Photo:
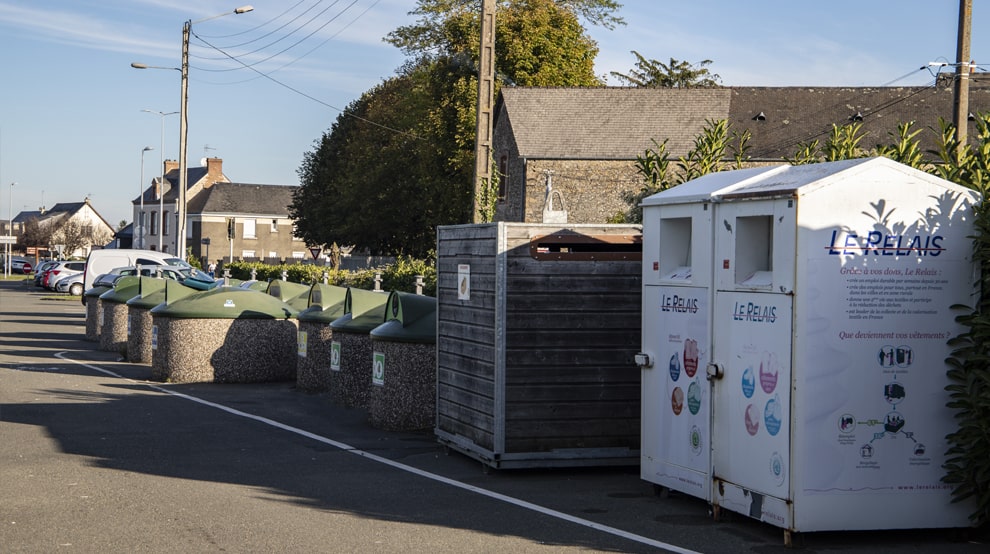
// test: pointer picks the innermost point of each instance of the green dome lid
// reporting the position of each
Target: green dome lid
(409, 318)
(293, 294)
(326, 303)
(123, 290)
(363, 311)
(154, 291)
(226, 303)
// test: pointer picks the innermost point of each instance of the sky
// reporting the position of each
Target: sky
(265, 85)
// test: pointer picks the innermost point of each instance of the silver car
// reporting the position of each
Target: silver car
(72, 284)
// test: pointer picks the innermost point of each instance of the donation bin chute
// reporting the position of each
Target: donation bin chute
(800, 378)
(326, 304)
(350, 358)
(293, 294)
(403, 376)
(224, 335)
(114, 325)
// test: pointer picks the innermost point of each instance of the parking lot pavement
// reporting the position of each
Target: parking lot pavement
(95, 456)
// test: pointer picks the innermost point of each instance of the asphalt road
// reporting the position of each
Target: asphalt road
(94, 457)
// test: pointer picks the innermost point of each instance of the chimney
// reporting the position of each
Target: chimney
(214, 172)
(171, 165)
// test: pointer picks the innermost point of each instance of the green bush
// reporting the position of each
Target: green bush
(400, 276)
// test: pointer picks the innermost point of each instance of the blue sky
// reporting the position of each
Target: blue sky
(71, 124)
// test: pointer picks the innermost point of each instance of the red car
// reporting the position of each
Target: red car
(60, 269)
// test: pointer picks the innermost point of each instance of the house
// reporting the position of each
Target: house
(257, 214)
(66, 230)
(569, 154)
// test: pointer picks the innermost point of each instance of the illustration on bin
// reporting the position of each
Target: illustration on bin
(404, 364)
(94, 310)
(350, 349)
(326, 304)
(113, 330)
(795, 327)
(224, 335)
(153, 291)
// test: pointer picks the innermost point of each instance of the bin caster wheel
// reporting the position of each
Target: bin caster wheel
(661, 491)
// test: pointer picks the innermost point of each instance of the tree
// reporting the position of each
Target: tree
(399, 161)
(676, 74)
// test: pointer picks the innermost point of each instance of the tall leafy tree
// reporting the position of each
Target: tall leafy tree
(676, 74)
(400, 160)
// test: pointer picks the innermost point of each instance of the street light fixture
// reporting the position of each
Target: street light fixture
(161, 182)
(8, 266)
(139, 224)
(183, 123)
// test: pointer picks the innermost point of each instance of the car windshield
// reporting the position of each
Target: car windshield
(177, 262)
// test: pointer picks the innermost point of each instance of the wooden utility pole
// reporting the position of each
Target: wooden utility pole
(486, 99)
(961, 97)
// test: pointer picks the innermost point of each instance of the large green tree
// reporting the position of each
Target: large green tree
(399, 161)
(676, 74)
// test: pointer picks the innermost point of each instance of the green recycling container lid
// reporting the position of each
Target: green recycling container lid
(154, 291)
(409, 318)
(293, 294)
(226, 303)
(326, 304)
(363, 311)
(123, 290)
(95, 292)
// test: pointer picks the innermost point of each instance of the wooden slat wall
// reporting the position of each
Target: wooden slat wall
(466, 334)
(571, 330)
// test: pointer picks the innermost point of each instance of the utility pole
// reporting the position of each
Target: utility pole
(961, 97)
(486, 99)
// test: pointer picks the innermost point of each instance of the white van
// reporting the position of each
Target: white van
(102, 261)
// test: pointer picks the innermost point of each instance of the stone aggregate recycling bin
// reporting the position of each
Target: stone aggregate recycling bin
(350, 349)
(404, 364)
(293, 294)
(326, 304)
(224, 335)
(537, 331)
(153, 291)
(113, 329)
(795, 332)
(94, 311)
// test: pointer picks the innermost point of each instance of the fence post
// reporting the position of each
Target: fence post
(326, 278)
(419, 284)
(378, 281)
(254, 274)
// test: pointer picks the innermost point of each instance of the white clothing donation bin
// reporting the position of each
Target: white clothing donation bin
(794, 337)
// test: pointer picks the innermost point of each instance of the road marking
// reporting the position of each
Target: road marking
(391, 463)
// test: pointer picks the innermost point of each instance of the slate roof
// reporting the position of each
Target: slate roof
(193, 176)
(607, 123)
(241, 198)
(618, 123)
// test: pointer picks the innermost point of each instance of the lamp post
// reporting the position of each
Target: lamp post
(180, 239)
(161, 182)
(8, 266)
(139, 226)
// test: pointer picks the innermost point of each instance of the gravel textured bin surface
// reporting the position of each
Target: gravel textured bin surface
(113, 332)
(224, 350)
(94, 318)
(313, 369)
(139, 339)
(351, 385)
(406, 401)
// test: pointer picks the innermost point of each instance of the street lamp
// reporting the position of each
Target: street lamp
(161, 183)
(183, 123)
(139, 224)
(9, 265)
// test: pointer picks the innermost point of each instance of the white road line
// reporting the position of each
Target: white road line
(416, 471)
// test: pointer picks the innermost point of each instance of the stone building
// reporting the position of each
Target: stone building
(569, 154)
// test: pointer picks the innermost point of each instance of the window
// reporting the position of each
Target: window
(272, 254)
(165, 223)
(249, 228)
(247, 254)
(297, 255)
(154, 223)
(274, 225)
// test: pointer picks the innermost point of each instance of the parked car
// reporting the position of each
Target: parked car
(59, 270)
(72, 284)
(102, 261)
(18, 264)
(39, 272)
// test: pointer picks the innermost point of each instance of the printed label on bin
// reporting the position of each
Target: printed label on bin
(301, 338)
(335, 356)
(228, 303)
(154, 337)
(378, 369)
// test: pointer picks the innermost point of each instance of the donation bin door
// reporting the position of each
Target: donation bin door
(751, 369)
